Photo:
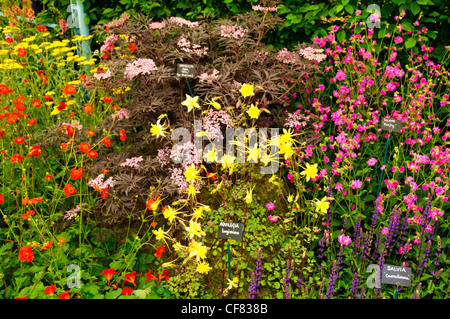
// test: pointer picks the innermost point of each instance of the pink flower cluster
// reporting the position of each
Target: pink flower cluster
(108, 44)
(188, 47)
(132, 162)
(98, 181)
(118, 22)
(139, 66)
(183, 22)
(264, 9)
(232, 32)
(205, 77)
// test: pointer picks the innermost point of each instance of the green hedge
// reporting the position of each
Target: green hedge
(304, 19)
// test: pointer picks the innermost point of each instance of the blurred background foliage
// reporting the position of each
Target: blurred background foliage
(304, 19)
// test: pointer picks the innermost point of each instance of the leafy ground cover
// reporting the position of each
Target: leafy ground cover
(101, 199)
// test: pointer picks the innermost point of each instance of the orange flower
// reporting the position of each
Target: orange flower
(41, 28)
(84, 147)
(123, 136)
(76, 173)
(106, 141)
(69, 190)
(91, 133)
(47, 245)
(88, 108)
(127, 291)
(130, 278)
(61, 240)
(64, 295)
(153, 224)
(69, 89)
(105, 171)
(19, 140)
(50, 290)
(149, 276)
(26, 254)
(32, 122)
(36, 103)
(108, 273)
(152, 203)
(63, 146)
(48, 176)
(28, 214)
(132, 46)
(93, 154)
(82, 78)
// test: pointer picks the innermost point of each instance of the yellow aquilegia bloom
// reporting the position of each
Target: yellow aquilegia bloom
(198, 250)
(310, 171)
(191, 173)
(253, 112)
(322, 205)
(191, 102)
(203, 268)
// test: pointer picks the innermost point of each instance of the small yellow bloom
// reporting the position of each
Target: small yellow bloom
(249, 196)
(310, 171)
(322, 205)
(203, 268)
(191, 173)
(191, 102)
(246, 90)
(198, 250)
(253, 112)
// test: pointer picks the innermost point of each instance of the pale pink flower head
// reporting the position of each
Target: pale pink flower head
(372, 161)
(344, 240)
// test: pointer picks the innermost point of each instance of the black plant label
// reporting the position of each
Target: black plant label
(229, 230)
(186, 70)
(388, 124)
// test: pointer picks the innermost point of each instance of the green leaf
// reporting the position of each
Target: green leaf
(140, 294)
(340, 36)
(345, 2)
(113, 294)
(415, 8)
(410, 43)
(338, 8)
(349, 8)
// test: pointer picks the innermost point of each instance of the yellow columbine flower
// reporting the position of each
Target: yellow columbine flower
(191, 191)
(194, 229)
(322, 205)
(203, 268)
(190, 173)
(310, 171)
(253, 154)
(249, 196)
(233, 283)
(160, 234)
(198, 250)
(246, 90)
(211, 156)
(169, 213)
(253, 112)
(191, 102)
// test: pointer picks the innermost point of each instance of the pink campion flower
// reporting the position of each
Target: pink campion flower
(338, 187)
(344, 240)
(270, 206)
(335, 28)
(398, 39)
(272, 218)
(385, 230)
(356, 184)
(372, 161)
(340, 75)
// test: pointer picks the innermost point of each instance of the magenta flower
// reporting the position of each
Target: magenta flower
(344, 240)
(270, 206)
(340, 75)
(372, 161)
(356, 184)
(273, 218)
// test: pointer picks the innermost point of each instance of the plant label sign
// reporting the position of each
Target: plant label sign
(229, 230)
(391, 125)
(396, 275)
(186, 70)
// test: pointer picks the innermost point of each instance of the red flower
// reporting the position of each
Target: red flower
(69, 190)
(70, 130)
(41, 28)
(26, 254)
(69, 89)
(76, 173)
(19, 140)
(1, 198)
(107, 99)
(93, 154)
(35, 151)
(84, 147)
(127, 291)
(47, 245)
(108, 273)
(16, 158)
(159, 251)
(50, 290)
(36, 103)
(149, 276)
(28, 214)
(22, 52)
(106, 141)
(64, 295)
(62, 106)
(132, 46)
(88, 108)
(163, 275)
(48, 176)
(32, 122)
(9, 40)
(130, 278)
(123, 136)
